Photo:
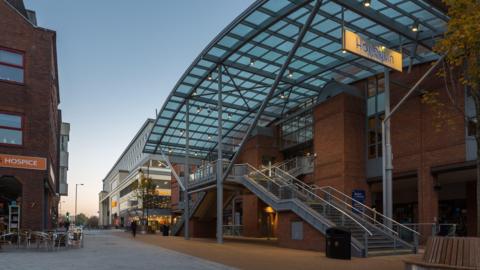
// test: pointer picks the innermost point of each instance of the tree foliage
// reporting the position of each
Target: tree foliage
(92, 222)
(145, 193)
(461, 43)
(461, 46)
(81, 219)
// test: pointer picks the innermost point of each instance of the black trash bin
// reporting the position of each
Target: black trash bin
(338, 242)
(165, 230)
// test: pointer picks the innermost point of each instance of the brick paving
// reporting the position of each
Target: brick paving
(103, 250)
(262, 255)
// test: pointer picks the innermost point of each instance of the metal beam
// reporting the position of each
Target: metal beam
(212, 102)
(278, 78)
(219, 162)
(186, 174)
(387, 172)
(175, 175)
(382, 20)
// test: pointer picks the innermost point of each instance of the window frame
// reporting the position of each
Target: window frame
(21, 129)
(22, 53)
(377, 115)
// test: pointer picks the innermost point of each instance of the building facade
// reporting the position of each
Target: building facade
(339, 133)
(123, 195)
(30, 121)
(284, 114)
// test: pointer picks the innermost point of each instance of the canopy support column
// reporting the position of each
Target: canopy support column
(386, 145)
(386, 153)
(175, 175)
(186, 175)
(219, 162)
(278, 78)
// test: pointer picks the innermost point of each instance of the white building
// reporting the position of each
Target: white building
(64, 138)
(119, 202)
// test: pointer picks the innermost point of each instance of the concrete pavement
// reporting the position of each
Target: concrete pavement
(103, 250)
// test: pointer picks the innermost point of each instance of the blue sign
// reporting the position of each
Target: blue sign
(358, 198)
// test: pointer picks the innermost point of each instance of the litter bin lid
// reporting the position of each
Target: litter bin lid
(337, 231)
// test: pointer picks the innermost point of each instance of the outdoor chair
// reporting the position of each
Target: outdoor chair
(25, 237)
(61, 240)
(43, 239)
(5, 239)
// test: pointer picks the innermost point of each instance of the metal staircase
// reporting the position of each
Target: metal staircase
(383, 240)
(321, 207)
(313, 209)
(193, 205)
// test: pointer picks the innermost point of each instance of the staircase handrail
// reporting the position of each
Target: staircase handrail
(374, 222)
(366, 207)
(308, 191)
(260, 172)
(203, 172)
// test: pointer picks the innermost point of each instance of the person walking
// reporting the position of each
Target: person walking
(133, 226)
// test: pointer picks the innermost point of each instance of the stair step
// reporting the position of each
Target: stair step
(389, 252)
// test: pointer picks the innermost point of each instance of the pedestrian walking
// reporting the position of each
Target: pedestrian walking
(67, 225)
(133, 226)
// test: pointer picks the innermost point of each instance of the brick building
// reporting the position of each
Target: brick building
(290, 98)
(33, 141)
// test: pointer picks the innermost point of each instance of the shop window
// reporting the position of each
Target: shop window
(11, 65)
(11, 129)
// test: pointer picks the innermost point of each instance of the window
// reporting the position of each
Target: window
(11, 66)
(11, 129)
(472, 127)
(375, 115)
(297, 130)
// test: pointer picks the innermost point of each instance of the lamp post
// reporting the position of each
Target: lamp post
(60, 207)
(76, 188)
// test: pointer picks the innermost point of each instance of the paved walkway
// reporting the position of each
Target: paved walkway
(247, 255)
(104, 250)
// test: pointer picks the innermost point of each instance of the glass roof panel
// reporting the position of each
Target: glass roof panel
(258, 43)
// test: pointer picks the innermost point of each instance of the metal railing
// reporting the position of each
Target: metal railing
(443, 229)
(363, 210)
(233, 230)
(193, 204)
(360, 212)
(284, 189)
(295, 166)
(298, 165)
(206, 172)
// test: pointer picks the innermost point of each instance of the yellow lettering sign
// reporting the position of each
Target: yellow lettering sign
(378, 53)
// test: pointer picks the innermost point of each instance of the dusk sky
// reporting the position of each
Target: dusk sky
(118, 61)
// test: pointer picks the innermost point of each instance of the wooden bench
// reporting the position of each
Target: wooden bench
(449, 253)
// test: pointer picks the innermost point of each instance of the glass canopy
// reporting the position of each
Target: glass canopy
(252, 49)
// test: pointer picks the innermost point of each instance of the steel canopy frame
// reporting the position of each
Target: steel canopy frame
(235, 73)
(285, 65)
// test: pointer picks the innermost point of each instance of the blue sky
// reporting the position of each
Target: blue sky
(118, 61)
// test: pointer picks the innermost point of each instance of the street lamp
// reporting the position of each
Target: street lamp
(76, 187)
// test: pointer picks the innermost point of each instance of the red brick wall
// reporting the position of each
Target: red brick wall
(175, 187)
(252, 153)
(259, 146)
(312, 238)
(201, 228)
(339, 143)
(37, 100)
(417, 145)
